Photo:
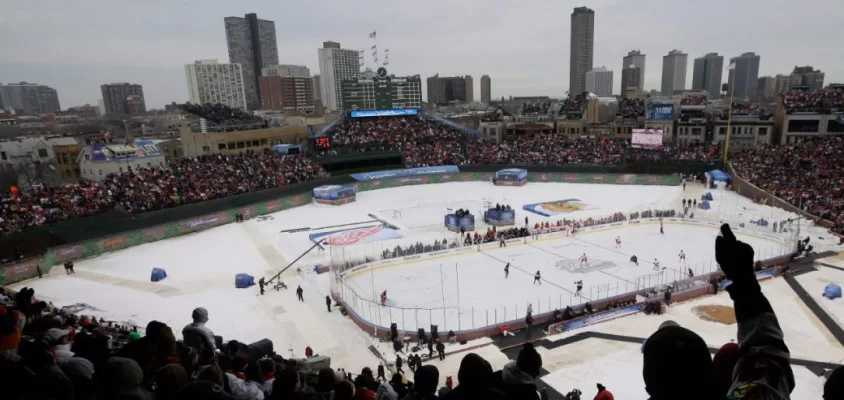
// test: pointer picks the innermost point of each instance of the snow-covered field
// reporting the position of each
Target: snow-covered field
(201, 268)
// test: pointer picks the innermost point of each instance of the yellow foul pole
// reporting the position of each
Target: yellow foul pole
(729, 118)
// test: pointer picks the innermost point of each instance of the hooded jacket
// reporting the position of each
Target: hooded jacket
(198, 335)
(121, 380)
(386, 392)
(515, 383)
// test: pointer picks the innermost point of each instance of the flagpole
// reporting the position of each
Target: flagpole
(730, 116)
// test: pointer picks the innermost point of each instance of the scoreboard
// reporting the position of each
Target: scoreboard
(381, 92)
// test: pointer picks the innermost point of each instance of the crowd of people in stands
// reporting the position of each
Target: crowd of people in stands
(547, 149)
(574, 105)
(806, 175)
(679, 151)
(49, 353)
(824, 101)
(223, 118)
(45, 205)
(695, 100)
(631, 108)
(537, 108)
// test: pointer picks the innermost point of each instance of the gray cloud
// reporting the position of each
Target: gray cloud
(523, 46)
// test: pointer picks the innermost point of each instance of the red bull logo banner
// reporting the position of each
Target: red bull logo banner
(357, 235)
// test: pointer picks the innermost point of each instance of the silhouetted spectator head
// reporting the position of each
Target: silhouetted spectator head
(677, 364)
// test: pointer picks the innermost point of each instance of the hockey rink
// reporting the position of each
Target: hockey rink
(466, 290)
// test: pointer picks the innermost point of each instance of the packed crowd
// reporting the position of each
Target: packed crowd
(224, 118)
(494, 116)
(535, 108)
(824, 101)
(47, 353)
(631, 108)
(807, 175)
(45, 205)
(547, 150)
(679, 151)
(696, 100)
(574, 105)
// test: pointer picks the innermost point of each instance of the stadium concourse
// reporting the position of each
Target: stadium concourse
(77, 331)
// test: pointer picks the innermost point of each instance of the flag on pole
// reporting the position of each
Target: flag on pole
(731, 66)
(372, 35)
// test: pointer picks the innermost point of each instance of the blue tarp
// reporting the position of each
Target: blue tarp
(832, 291)
(157, 274)
(242, 281)
(718, 175)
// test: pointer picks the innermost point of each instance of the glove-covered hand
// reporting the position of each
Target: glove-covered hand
(735, 257)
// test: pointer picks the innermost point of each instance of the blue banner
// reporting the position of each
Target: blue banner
(393, 173)
(661, 111)
(385, 113)
(594, 319)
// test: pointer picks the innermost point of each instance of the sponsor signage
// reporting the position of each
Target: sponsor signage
(411, 258)
(395, 173)
(647, 138)
(114, 242)
(661, 112)
(67, 253)
(384, 113)
(203, 222)
(154, 233)
(594, 319)
(273, 205)
(19, 271)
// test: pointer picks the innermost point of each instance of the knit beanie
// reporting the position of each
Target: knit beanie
(529, 360)
(677, 363)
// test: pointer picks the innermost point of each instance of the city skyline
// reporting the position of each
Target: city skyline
(518, 58)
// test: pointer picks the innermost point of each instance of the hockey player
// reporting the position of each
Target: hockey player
(660, 227)
(529, 309)
(691, 273)
(656, 264)
(537, 277)
(682, 256)
(618, 242)
(634, 260)
(584, 260)
(507, 271)
(579, 287)
(384, 298)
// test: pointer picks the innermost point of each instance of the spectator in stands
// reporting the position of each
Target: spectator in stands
(425, 379)
(168, 380)
(474, 380)
(199, 336)
(222, 118)
(834, 386)
(121, 379)
(518, 378)
(822, 102)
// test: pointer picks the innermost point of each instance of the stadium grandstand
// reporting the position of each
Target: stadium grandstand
(805, 115)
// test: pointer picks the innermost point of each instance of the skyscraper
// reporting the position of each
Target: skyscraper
(744, 76)
(633, 60)
(252, 44)
(470, 89)
(443, 90)
(115, 96)
(581, 48)
(674, 66)
(599, 82)
(32, 98)
(707, 74)
(766, 88)
(808, 76)
(335, 65)
(486, 84)
(287, 71)
(210, 82)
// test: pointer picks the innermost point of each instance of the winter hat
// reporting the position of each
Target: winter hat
(474, 371)
(426, 379)
(78, 368)
(834, 387)
(133, 336)
(200, 314)
(211, 373)
(529, 360)
(677, 362)
(723, 365)
(168, 380)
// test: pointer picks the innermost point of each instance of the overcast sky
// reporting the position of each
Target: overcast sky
(75, 46)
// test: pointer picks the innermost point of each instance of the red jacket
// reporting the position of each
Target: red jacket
(604, 395)
(364, 394)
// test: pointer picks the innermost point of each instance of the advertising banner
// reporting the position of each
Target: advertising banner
(345, 237)
(395, 173)
(558, 207)
(67, 253)
(661, 112)
(593, 319)
(647, 138)
(384, 113)
(21, 270)
(203, 222)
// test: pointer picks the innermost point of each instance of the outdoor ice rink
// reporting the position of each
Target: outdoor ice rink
(457, 292)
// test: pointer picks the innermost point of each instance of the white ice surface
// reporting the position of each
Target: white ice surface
(201, 269)
(815, 283)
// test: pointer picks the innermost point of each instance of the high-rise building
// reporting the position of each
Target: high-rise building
(252, 44)
(635, 60)
(599, 82)
(115, 97)
(210, 82)
(382, 92)
(581, 48)
(287, 71)
(707, 74)
(807, 76)
(317, 93)
(486, 94)
(630, 78)
(744, 76)
(286, 93)
(335, 65)
(444, 90)
(32, 98)
(766, 88)
(470, 89)
(674, 66)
